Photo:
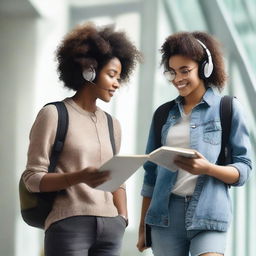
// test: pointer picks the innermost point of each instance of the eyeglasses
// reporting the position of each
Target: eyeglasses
(170, 75)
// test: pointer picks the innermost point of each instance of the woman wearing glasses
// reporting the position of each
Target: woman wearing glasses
(189, 209)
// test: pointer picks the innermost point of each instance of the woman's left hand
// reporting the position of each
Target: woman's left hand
(196, 166)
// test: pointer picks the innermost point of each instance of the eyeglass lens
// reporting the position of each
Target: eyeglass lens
(170, 75)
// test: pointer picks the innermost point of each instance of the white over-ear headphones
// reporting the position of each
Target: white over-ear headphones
(206, 67)
(89, 74)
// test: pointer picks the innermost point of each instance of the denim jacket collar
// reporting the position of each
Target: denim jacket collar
(207, 98)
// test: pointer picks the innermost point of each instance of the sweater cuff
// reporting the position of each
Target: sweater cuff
(32, 180)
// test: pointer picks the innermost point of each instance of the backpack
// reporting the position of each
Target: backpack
(161, 114)
(35, 207)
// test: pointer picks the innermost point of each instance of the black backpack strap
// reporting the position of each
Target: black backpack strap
(111, 132)
(62, 128)
(159, 119)
(226, 120)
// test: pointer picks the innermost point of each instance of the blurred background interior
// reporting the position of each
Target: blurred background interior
(30, 30)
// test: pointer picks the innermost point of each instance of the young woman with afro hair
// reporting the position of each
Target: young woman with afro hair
(94, 62)
(188, 209)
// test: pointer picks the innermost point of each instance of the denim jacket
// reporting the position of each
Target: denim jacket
(210, 205)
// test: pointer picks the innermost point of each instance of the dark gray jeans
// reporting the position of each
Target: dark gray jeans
(85, 236)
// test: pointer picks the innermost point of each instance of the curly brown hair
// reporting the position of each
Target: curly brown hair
(185, 44)
(88, 45)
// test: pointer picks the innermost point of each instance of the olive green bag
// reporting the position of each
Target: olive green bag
(35, 207)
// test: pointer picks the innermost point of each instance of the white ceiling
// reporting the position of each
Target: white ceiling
(26, 7)
(16, 7)
(99, 2)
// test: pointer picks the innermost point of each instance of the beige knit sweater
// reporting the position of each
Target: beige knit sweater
(87, 144)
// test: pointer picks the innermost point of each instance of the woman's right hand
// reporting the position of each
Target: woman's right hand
(58, 181)
(141, 240)
(93, 177)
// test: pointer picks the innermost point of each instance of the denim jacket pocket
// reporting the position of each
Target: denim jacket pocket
(212, 132)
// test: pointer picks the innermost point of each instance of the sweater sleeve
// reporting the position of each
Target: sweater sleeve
(41, 139)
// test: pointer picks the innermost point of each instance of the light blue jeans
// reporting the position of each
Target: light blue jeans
(175, 240)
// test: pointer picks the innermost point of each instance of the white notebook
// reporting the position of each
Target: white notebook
(123, 166)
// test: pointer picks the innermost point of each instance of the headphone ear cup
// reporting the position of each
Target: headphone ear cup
(205, 70)
(201, 69)
(89, 74)
(208, 68)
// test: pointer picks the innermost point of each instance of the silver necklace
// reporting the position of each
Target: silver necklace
(93, 117)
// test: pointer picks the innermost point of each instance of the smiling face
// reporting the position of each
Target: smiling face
(108, 80)
(186, 78)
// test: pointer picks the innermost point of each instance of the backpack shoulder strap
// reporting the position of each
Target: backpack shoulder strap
(111, 132)
(226, 119)
(159, 119)
(62, 128)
